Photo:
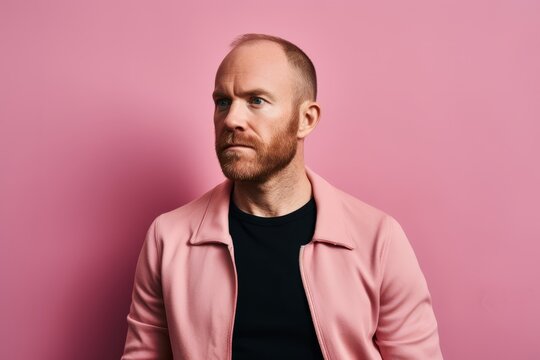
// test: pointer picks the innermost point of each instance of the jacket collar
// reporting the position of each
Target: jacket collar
(330, 226)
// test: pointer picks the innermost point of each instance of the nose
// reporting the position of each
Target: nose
(235, 117)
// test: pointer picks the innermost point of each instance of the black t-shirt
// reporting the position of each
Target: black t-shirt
(272, 319)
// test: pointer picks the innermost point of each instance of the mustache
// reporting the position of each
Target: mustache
(230, 139)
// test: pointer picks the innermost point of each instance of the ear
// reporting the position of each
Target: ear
(310, 113)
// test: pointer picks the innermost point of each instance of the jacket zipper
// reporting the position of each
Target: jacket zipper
(235, 302)
(311, 308)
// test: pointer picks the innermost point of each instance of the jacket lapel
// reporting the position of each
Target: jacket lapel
(330, 226)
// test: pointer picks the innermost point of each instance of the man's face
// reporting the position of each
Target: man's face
(254, 110)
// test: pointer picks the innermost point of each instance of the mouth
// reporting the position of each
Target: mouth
(234, 146)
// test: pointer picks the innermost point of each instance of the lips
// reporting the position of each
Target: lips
(231, 145)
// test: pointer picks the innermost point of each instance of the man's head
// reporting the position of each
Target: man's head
(301, 64)
(265, 91)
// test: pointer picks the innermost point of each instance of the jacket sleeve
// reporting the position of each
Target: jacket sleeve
(407, 328)
(147, 334)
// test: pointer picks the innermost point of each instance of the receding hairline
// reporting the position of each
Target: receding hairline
(296, 57)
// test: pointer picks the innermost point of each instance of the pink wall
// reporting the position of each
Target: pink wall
(430, 112)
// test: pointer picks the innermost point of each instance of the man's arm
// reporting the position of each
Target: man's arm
(407, 327)
(147, 335)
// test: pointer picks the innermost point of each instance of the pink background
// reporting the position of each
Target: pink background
(430, 112)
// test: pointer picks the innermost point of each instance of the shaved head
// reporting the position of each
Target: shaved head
(305, 79)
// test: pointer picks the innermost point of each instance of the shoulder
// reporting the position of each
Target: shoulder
(341, 214)
(361, 214)
(369, 226)
(356, 207)
(377, 236)
(184, 219)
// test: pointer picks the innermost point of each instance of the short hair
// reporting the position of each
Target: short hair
(296, 57)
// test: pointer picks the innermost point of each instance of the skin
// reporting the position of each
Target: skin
(268, 172)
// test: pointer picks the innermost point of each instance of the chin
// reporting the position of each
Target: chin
(238, 173)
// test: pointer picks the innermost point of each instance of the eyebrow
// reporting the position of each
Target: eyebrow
(258, 91)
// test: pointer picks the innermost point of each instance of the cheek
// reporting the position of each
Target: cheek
(218, 117)
(218, 126)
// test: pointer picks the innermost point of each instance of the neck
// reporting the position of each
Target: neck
(282, 194)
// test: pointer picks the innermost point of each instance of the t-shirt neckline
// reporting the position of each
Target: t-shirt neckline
(274, 220)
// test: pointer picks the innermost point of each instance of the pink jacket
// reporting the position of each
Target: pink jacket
(366, 292)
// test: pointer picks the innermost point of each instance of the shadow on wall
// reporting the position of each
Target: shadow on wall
(134, 176)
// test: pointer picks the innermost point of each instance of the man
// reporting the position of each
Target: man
(275, 262)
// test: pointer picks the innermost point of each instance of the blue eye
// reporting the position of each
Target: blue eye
(257, 100)
(220, 103)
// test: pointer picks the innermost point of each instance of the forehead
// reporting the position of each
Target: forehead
(257, 64)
